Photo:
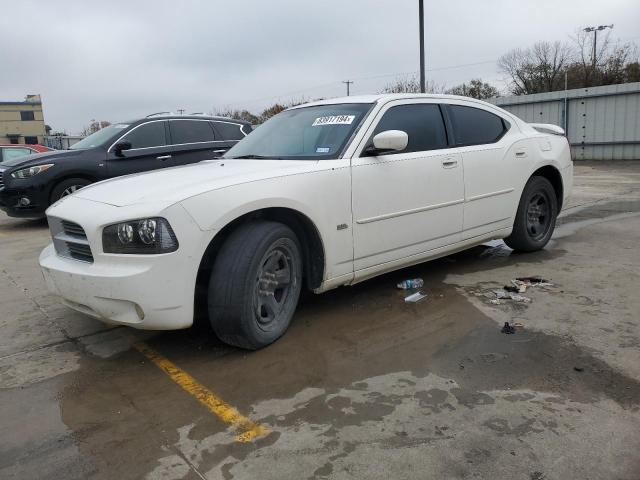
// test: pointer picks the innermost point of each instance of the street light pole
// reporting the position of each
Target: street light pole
(422, 76)
(595, 31)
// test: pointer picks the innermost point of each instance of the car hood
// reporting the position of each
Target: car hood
(40, 158)
(171, 185)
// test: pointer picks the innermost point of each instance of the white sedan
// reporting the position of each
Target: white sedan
(322, 195)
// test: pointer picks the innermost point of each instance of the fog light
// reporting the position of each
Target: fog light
(24, 202)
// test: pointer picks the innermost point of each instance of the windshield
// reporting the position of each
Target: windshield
(100, 137)
(313, 133)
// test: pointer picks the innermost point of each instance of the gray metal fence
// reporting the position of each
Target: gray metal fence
(602, 123)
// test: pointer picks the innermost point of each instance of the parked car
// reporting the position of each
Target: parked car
(14, 150)
(28, 185)
(322, 195)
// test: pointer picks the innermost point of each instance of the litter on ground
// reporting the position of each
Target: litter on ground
(409, 284)
(508, 329)
(415, 297)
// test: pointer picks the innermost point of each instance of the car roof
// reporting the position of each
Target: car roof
(33, 146)
(185, 117)
(387, 97)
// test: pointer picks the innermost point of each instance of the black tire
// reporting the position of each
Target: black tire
(536, 216)
(67, 187)
(244, 284)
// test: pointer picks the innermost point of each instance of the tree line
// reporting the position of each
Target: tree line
(546, 66)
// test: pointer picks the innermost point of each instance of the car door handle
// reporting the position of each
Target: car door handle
(163, 157)
(449, 163)
(521, 153)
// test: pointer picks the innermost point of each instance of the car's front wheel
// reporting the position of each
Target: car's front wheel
(67, 187)
(536, 216)
(255, 284)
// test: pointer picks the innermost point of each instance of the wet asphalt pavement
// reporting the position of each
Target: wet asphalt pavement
(363, 385)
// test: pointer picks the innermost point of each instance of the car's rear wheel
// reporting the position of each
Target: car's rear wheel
(67, 187)
(255, 284)
(536, 216)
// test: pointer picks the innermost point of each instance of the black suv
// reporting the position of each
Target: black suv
(28, 185)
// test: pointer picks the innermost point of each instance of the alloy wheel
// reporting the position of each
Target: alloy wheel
(274, 283)
(538, 215)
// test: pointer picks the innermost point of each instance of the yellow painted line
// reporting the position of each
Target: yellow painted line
(246, 428)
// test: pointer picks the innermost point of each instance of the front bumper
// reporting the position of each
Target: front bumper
(119, 294)
(151, 292)
(10, 202)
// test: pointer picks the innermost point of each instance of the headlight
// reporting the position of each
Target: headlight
(143, 236)
(31, 171)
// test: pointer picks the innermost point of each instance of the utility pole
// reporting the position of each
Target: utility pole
(348, 82)
(423, 88)
(595, 31)
(181, 111)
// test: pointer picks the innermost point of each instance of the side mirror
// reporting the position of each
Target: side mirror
(120, 147)
(388, 141)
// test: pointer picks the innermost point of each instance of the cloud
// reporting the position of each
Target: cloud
(118, 60)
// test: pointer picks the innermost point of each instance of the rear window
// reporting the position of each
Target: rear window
(229, 131)
(473, 126)
(190, 131)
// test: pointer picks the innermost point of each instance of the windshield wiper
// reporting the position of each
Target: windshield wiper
(254, 157)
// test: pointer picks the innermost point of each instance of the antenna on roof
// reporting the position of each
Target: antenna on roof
(158, 113)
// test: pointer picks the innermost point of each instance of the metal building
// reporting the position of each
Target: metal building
(602, 123)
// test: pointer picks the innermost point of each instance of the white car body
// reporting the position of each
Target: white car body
(371, 214)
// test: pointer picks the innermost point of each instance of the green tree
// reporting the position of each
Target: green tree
(476, 88)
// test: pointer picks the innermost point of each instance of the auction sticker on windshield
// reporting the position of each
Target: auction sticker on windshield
(334, 120)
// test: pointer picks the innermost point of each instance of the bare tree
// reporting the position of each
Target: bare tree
(244, 115)
(536, 69)
(476, 88)
(583, 42)
(94, 126)
(410, 84)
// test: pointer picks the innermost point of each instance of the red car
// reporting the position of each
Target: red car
(8, 152)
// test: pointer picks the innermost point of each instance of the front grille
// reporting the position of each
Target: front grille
(70, 240)
(71, 228)
(1, 180)
(81, 252)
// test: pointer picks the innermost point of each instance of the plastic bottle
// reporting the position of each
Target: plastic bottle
(413, 283)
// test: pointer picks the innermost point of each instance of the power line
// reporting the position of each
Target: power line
(368, 77)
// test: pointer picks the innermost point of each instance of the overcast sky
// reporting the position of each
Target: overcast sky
(117, 60)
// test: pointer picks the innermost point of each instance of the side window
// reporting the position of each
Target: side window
(229, 131)
(148, 135)
(11, 153)
(190, 131)
(422, 122)
(473, 126)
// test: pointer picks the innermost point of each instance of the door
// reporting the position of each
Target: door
(407, 203)
(148, 150)
(489, 173)
(193, 141)
(230, 133)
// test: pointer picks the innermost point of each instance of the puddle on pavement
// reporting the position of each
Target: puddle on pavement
(125, 413)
